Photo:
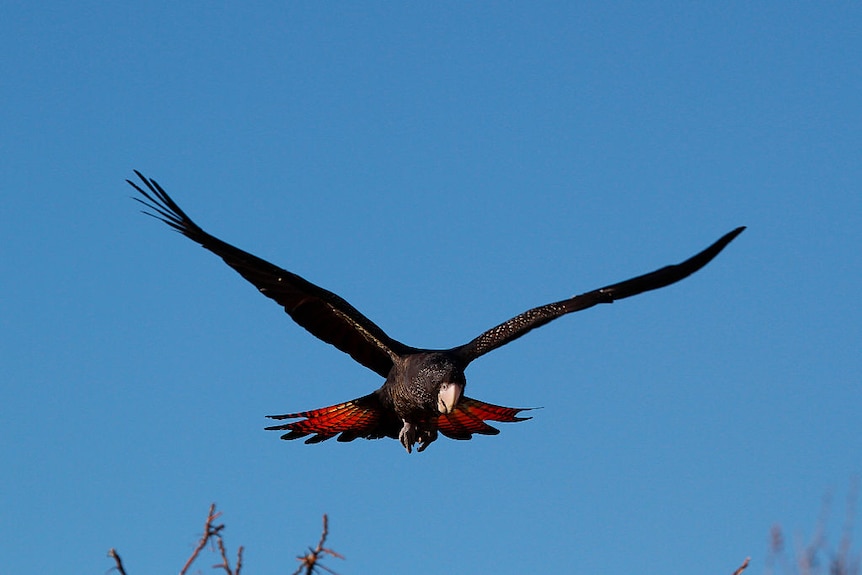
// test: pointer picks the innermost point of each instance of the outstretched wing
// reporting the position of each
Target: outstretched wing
(539, 316)
(469, 417)
(323, 313)
(363, 417)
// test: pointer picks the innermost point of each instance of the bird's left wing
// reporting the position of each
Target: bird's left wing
(321, 312)
(539, 316)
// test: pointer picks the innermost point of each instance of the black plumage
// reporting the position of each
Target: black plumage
(423, 391)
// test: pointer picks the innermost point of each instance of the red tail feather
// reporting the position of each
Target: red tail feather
(360, 417)
(470, 415)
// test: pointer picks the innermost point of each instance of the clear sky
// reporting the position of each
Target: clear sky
(442, 166)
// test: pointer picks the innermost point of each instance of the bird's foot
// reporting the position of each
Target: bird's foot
(407, 437)
(426, 438)
(411, 434)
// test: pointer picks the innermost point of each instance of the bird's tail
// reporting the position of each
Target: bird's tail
(362, 417)
(365, 417)
(470, 415)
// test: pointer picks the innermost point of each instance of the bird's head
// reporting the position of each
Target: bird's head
(437, 379)
(448, 396)
(450, 382)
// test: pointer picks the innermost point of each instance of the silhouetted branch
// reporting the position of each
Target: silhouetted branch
(225, 564)
(310, 562)
(112, 553)
(212, 535)
(743, 566)
(818, 557)
(214, 532)
(209, 531)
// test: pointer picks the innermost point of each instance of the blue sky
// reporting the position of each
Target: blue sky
(443, 167)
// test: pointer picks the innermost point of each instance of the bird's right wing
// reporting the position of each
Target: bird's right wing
(321, 312)
(539, 316)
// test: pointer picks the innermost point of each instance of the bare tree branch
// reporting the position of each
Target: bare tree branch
(311, 561)
(743, 566)
(225, 564)
(209, 531)
(213, 535)
(817, 556)
(112, 553)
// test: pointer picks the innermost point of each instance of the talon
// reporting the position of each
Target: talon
(427, 438)
(407, 436)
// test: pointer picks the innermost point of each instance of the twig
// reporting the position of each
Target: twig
(225, 564)
(209, 531)
(112, 553)
(743, 566)
(310, 561)
(844, 562)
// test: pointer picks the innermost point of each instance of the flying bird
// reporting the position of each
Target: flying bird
(423, 394)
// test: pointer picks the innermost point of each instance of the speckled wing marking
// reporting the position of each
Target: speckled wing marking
(321, 312)
(362, 417)
(539, 316)
(470, 415)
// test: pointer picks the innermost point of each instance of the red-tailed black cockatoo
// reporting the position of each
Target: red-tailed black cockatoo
(423, 394)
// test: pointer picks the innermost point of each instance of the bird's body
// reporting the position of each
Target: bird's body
(423, 393)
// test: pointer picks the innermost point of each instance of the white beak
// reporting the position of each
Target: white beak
(448, 397)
